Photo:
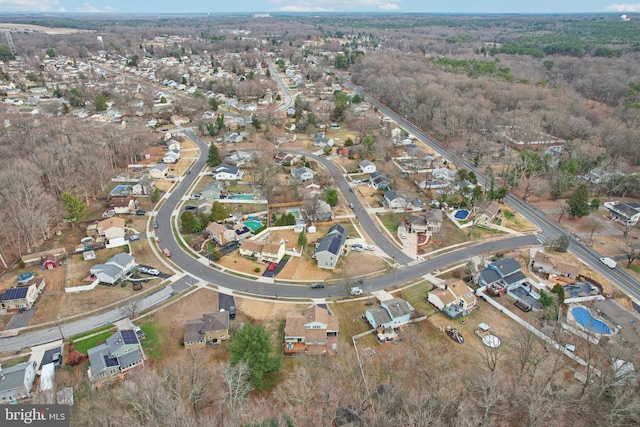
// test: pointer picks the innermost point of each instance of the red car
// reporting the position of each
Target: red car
(272, 266)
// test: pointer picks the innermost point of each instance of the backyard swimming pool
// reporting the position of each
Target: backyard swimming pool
(584, 319)
(253, 225)
(461, 214)
(241, 197)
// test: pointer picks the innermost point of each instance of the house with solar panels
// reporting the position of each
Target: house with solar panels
(329, 249)
(111, 360)
(20, 298)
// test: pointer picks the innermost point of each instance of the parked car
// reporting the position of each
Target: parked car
(351, 205)
(232, 312)
(56, 359)
(166, 252)
(134, 237)
(140, 212)
(170, 176)
(403, 235)
(195, 196)
(143, 269)
(191, 208)
(356, 247)
(153, 271)
(356, 291)
(155, 224)
(370, 248)
(317, 285)
(272, 266)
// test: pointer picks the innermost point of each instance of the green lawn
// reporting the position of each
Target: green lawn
(391, 221)
(151, 341)
(84, 344)
(415, 296)
(86, 334)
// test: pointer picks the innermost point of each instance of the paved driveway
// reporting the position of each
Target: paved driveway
(20, 320)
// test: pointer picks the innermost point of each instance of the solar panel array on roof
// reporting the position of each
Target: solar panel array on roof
(334, 246)
(110, 361)
(129, 336)
(15, 293)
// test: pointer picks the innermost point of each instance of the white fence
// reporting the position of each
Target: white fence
(83, 288)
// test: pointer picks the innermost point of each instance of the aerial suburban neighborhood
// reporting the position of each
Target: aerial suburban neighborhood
(259, 220)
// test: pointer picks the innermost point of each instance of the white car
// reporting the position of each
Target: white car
(370, 248)
(153, 271)
(403, 235)
(143, 269)
(194, 196)
(356, 291)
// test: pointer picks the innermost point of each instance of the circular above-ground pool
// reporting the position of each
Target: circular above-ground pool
(586, 320)
(461, 214)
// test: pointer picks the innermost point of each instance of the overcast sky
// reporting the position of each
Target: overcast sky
(249, 6)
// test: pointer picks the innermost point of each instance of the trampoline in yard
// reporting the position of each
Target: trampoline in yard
(491, 341)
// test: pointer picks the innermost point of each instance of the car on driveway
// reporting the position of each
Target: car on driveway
(153, 271)
(356, 247)
(191, 208)
(134, 237)
(143, 269)
(171, 176)
(370, 248)
(195, 196)
(317, 285)
(403, 235)
(272, 266)
(140, 212)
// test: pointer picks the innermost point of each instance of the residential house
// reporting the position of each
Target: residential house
(444, 174)
(282, 158)
(378, 181)
(454, 298)
(19, 298)
(551, 267)
(50, 262)
(213, 190)
(302, 174)
(597, 176)
(239, 158)
(171, 156)
(352, 152)
(505, 273)
(429, 222)
(262, 251)
(321, 211)
(107, 229)
(625, 213)
(179, 120)
(113, 270)
(488, 214)
(221, 233)
(123, 205)
(16, 382)
(159, 171)
(329, 249)
(226, 172)
(394, 200)
(233, 137)
(323, 142)
(314, 331)
(172, 145)
(111, 360)
(390, 314)
(122, 190)
(144, 187)
(211, 328)
(367, 167)
(311, 190)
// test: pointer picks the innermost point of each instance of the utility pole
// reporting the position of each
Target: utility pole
(60, 327)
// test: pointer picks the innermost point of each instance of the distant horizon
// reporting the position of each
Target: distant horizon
(245, 7)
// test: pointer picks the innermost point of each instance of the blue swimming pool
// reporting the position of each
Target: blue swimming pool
(241, 197)
(584, 319)
(461, 214)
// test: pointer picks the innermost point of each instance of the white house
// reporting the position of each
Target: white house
(302, 173)
(115, 269)
(367, 167)
(394, 200)
(172, 144)
(171, 156)
(226, 172)
(159, 171)
(20, 298)
(263, 252)
(16, 382)
(628, 213)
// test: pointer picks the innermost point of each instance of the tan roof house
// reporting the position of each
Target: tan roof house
(454, 298)
(110, 228)
(220, 233)
(263, 252)
(314, 331)
(212, 328)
